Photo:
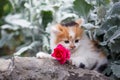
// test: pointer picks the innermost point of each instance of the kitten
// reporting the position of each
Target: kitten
(84, 53)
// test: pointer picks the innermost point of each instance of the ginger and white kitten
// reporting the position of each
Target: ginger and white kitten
(84, 53)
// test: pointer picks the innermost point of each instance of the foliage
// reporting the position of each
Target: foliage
(109, 33)
(26, 29)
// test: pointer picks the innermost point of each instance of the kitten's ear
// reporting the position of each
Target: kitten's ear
(55, 29)
(80, 21)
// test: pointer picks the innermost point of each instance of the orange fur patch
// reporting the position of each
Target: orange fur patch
(62, 34)
(78, 31)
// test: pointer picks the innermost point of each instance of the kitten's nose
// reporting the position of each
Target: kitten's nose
(72, 46)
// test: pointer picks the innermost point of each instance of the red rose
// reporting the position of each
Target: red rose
(61, 54)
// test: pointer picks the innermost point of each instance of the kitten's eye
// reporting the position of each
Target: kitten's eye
(77, 40)
(66, 41)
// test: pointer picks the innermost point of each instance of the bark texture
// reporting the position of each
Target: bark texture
(31, 68)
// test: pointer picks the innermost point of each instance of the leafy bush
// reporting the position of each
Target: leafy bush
(109, 32)
(26, 30)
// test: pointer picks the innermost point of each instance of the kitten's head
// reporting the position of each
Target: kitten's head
(68, 35)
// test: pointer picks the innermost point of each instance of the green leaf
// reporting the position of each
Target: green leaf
(114, 1)
(5, 38)
(82, 8)
(101, 12)
(108, 70)
(5, 7)
(108, 28)
(116, 70)
(47, 17)
(110, 32)
(116, 35)
(115, 9)
(115, 47)
(102, 2)
(110, 22)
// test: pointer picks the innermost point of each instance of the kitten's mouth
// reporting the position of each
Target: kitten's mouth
(72, 50)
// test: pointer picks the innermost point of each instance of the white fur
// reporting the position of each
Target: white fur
(43, 55)
(71, 33)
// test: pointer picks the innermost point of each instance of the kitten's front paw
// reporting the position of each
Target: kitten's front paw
(42, 55)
